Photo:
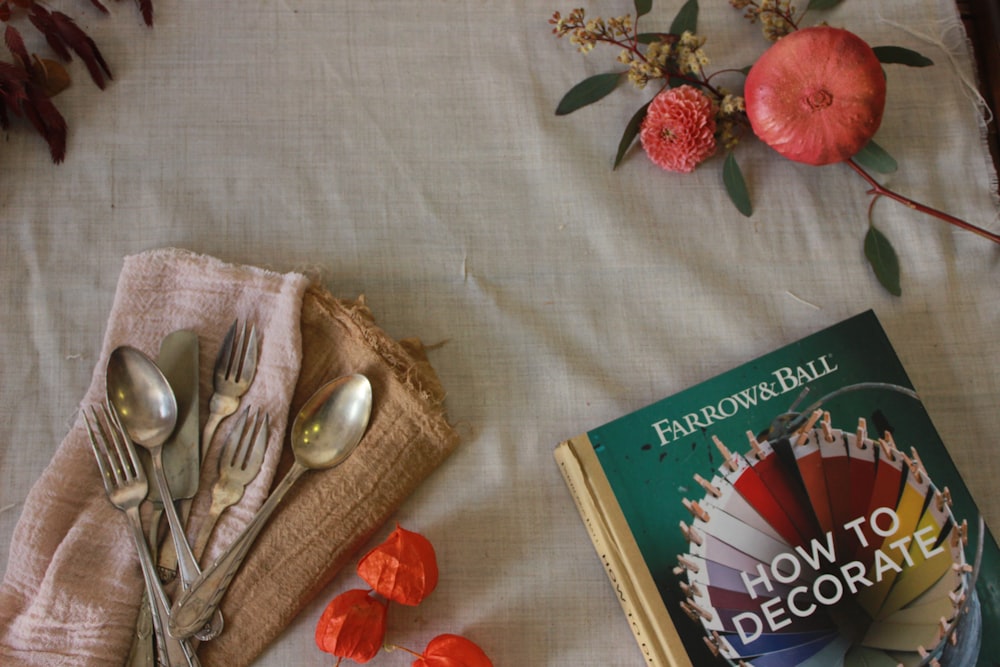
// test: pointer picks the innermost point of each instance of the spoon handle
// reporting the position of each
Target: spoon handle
(195, 606)
(186, 563)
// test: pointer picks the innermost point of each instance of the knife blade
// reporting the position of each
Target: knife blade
(182, 452)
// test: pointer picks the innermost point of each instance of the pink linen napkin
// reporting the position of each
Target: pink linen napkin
(73, 587)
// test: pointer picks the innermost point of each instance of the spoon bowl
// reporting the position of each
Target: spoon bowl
(141, 395)
(325, 432)
(330, 425)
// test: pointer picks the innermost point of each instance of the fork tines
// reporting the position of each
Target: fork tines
(239, 446)
(240, 348)
(120, 465)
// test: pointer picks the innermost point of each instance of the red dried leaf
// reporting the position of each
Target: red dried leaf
(43, 114)
(402, 569)
(42, 19)
(146, 9)
(5, 12)
(452, 651)
(352, 626)
(84, 46)
(64, 35)
(25, 98)
(100, 6)
(13, 80)
(15, 44)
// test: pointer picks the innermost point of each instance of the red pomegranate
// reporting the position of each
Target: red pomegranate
(817, 95)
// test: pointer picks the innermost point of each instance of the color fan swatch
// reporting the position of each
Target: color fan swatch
(824, 548)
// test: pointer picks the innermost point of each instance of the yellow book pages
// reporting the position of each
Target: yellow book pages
(647, 617)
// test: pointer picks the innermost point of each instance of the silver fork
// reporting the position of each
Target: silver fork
(234, 370)
(239, 462)
(126, 485)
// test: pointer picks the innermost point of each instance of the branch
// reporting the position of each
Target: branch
(880, 190)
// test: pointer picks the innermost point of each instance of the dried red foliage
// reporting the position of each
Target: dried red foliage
(24, 96)
(29, 82)
(65, 36)
(402, 569)
(352, 626)
(452, 651)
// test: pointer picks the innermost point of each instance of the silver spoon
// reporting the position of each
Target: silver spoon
(146, 405)
(325, 432)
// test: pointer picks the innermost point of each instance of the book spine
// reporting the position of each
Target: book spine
(588, 505)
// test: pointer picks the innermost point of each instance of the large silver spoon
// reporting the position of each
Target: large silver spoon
(147, 407)
(325, 432)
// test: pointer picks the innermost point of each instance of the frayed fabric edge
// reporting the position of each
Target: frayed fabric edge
(984, 115)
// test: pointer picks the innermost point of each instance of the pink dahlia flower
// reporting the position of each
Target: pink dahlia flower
(678, 132)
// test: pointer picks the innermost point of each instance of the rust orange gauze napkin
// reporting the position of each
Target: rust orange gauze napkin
(72, 587)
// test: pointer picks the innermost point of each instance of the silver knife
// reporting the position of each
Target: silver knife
(182, 453)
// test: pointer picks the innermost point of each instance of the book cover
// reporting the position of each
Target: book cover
(800, 509)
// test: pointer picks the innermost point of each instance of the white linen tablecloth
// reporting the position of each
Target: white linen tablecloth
(408, 151)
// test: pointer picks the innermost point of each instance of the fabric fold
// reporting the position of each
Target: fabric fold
(73, 585)
(331, 514)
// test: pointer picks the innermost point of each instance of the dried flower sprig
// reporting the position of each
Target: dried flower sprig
(691, 115)
(29, 82)
(675, 58)
(402, 569)
(776, 17)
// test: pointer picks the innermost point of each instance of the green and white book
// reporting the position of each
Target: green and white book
(800, 509)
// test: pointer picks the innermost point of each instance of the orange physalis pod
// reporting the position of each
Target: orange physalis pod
(402, 569)
(452, 651)
(352, 626)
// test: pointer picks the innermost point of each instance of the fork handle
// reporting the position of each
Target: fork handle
(219, 407)
(173, 652)
(186, 562)
(195, 606)
(205, 532)
(142, 653)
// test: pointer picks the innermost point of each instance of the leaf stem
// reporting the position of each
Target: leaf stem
(878, 189)
(396, 647)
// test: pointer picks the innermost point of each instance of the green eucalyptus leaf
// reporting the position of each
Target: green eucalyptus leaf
(631, 132)
(587, 92)
(876, 158)
(643, 7)
(897, 55)
(736, 187)
(822, 4)
(686, 19)
(883, 260)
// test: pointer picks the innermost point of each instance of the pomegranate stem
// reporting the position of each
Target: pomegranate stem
(880, 190)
